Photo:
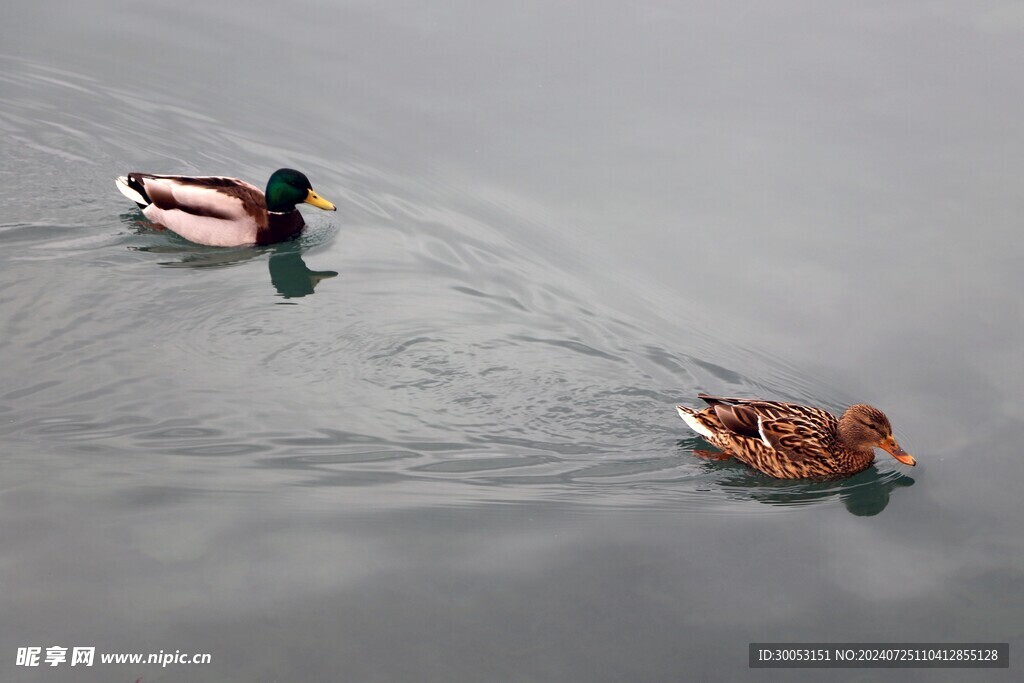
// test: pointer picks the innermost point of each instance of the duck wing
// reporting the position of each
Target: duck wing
(771, 409)
(738, 419)
(213, 196)
(796, 431)
(212, 210)
(797, 439)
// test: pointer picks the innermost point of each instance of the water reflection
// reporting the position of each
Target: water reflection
(289, 274)
(864, 494)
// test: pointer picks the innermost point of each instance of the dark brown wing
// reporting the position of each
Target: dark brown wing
(737, 419)
(712, 400)
(773, 409)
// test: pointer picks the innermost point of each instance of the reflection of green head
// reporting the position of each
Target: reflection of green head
(286, 188)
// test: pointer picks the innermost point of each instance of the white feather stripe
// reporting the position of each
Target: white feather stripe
(760, 431)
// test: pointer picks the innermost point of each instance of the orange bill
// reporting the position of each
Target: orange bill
(890, 446)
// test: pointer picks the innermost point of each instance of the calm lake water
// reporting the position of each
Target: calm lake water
(433, 440)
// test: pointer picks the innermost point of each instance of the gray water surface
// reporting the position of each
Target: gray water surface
(434, 438)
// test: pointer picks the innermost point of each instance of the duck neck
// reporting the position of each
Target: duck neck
(856, 459)
(855, 447)
(281, 226)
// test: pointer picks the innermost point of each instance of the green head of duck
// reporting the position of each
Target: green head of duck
(288, 187)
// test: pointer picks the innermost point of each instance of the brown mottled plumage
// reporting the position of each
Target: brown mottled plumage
(791, 441)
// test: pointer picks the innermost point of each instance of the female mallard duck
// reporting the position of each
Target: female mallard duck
(791, 441)
(224, 212)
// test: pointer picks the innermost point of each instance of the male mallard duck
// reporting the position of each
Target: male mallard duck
(224, 212)
(791, 441)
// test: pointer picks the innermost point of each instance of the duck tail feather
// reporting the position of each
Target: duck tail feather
(132, 188)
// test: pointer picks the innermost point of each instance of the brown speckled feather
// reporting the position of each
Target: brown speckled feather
(772, 409)
(797, 438)
(784, 440)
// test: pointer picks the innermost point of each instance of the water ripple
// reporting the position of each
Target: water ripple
(455, 355)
